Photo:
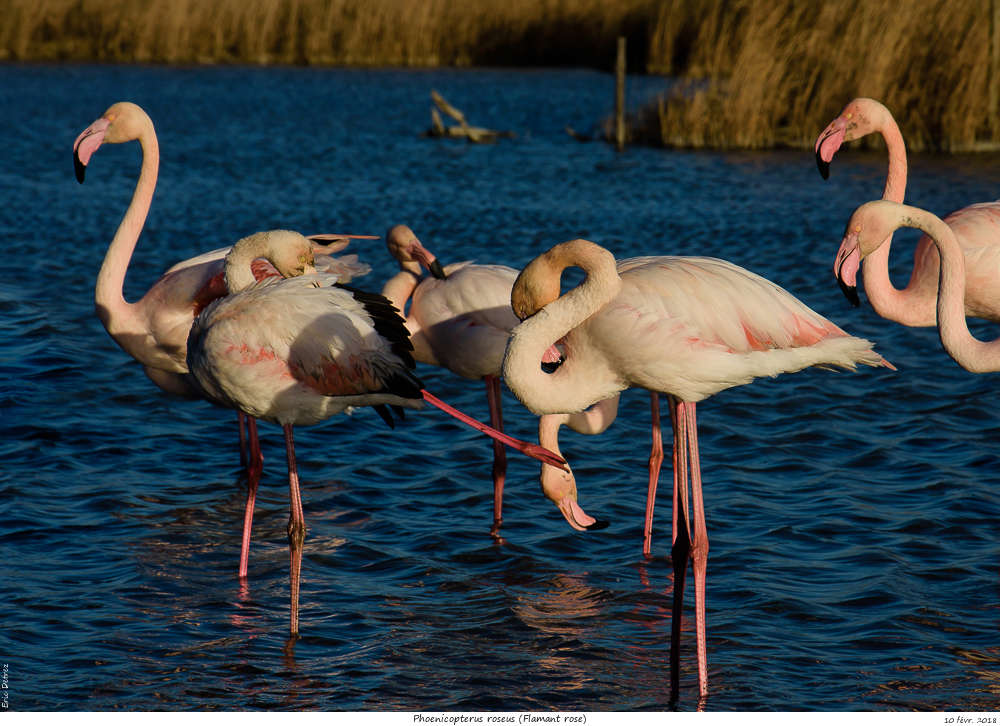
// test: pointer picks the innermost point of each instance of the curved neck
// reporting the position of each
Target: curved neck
(556, 484)
(239, 262)
(288, 252)
(971, 354)
(108, 294)
(904, 306)
(577, 382)
(400, 287)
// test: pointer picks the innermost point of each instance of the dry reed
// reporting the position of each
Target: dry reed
(750, 74)
(320, 32)
(780, 71)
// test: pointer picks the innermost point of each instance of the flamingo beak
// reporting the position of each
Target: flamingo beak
(827, 145)
(422, 255)
(334, 242)
(846, 268)
(850, 292)
(823, 166)
(436, 269)
(79, 168)
(86, 144)
(577, 518)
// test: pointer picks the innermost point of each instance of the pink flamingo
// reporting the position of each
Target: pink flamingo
(684, 326)
(976, 227)
(868, 229)
(154, 330)
(296, 351)
(460, 319)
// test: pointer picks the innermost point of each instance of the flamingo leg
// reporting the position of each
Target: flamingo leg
(682, 540)
(499, 452)
(655, 461)
(243, 439)
(296, 530)
(676, 504)
(255, 467)
(699, 550)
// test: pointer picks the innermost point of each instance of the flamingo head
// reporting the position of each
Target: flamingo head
(536, 286)
(867, 230)
(122, 122)
(410, 253)
(859, 118)
(291, 253)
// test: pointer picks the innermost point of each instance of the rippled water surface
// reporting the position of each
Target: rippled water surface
(854, 517)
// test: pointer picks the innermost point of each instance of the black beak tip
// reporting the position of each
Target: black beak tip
(823, 166)
(552, 367)
(850, 292)
(599, 524)
(437, 270)
(79, 167)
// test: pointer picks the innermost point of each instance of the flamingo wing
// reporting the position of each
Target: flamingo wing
(283, 346)
(698, 325)
(466, 317)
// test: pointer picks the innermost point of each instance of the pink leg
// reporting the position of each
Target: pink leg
(254, 469)
(243, 440)
(682, 540)
(699, 551)
(499, 453)
(655, 461)
(672, 402)
(296, 531)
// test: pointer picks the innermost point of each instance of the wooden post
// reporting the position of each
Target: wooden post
(620, 96)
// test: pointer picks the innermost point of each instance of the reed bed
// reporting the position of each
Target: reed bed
(773, 74)
(750, 74)
(320, 32)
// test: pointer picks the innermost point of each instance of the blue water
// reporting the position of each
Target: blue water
(854, 517)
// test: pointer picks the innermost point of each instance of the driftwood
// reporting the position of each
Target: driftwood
(463, 130)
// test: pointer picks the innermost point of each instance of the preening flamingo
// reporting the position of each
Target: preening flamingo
(868, 229)
(154, 329)
(460, 319)
(688, 327)
(976, 228)
(296, 351)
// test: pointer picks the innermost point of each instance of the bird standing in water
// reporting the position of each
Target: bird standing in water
(299, 349)
(688, 327)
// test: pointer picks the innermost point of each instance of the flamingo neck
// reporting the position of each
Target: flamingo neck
(905, 306)
(582, 378)
(288, 252)
(970, 353)
(118, 316)
(239, 262)
(400, 287)
(556, 484)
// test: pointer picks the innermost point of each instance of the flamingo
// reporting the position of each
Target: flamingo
(298, 349)
(460, 319)
(868, 229)
(976, 228)
(154, 329)
(688, 327)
